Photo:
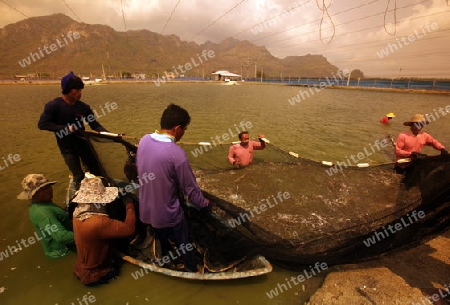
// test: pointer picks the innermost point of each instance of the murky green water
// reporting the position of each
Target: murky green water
(329, 125)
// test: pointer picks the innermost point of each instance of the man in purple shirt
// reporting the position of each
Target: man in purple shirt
(159, 203)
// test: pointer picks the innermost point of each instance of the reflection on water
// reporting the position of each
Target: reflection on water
(330, 125)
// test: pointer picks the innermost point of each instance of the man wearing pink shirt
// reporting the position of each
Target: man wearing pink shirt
(241, 154)
(410, 143)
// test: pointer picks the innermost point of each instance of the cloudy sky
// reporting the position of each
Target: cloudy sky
(391, 38)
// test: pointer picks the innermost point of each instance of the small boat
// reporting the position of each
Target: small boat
(214, 260)
(230, 83)
(256, 266)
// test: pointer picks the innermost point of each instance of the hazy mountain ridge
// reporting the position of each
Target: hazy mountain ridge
(135, 51)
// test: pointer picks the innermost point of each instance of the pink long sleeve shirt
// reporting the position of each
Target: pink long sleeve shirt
(408, 143)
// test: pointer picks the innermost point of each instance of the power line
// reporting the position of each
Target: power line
(209, 25)
(32, 19)
(378, 42)
(425, 53)
(374, 27)
(255, 25)
(317, 20)
(13, 8)
(277, 16)
(170, 16)
(351, 21)
(396, 60)
(123, 16)
(73, 12)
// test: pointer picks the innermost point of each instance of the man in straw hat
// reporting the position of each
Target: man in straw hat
(94, 231)
(159, 204)
(387, 118)
(410, 143)
(52, 224)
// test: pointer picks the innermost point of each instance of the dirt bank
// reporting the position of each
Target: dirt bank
(407, 277)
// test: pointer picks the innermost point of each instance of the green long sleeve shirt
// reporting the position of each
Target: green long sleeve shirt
(53, 228)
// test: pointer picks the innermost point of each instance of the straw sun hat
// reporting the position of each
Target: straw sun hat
(92, 190)
(418, 119)
(33, 183)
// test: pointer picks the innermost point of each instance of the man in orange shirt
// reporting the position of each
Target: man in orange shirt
(410, 143)
(241, 154)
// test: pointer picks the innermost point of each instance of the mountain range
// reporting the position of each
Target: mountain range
(50, 46)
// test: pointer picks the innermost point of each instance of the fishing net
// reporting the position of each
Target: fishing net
(296, 211)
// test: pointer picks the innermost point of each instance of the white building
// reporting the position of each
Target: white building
(226, 76)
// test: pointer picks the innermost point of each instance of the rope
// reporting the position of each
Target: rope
(292, 154)
(395, 18)
(324, 9)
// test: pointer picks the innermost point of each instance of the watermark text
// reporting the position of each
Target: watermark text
(164, 260)
(354, 159)
(404, 41)
(181, 69)
(85, 300)
(431, 299)
(267, 204)
(25, 243)
(71, 36)
(80, 123)
(304, 94)
(433, 116)
(10, 160)
(205, 146)
(318, 267)
(392, 229)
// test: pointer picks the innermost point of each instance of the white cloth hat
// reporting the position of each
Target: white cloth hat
(92, 190)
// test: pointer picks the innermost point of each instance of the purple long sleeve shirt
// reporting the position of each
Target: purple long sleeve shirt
(160, 158)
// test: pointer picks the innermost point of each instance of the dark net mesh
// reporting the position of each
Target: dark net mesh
(297, 211)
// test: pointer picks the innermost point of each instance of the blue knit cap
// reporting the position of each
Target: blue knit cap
(71, 81)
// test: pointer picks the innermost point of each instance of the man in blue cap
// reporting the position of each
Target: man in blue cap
(65, 116)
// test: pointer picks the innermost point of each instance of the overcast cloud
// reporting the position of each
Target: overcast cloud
(352, 36)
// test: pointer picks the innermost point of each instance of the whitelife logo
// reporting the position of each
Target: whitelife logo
(358, 157)
(392, 47)
(22, 244)
(243, 217)
(382, 234)
(318, 267)
(187, 66)
(225, 137)
(303, 94)
(11, 158)
(79, 123)
(53, 47)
